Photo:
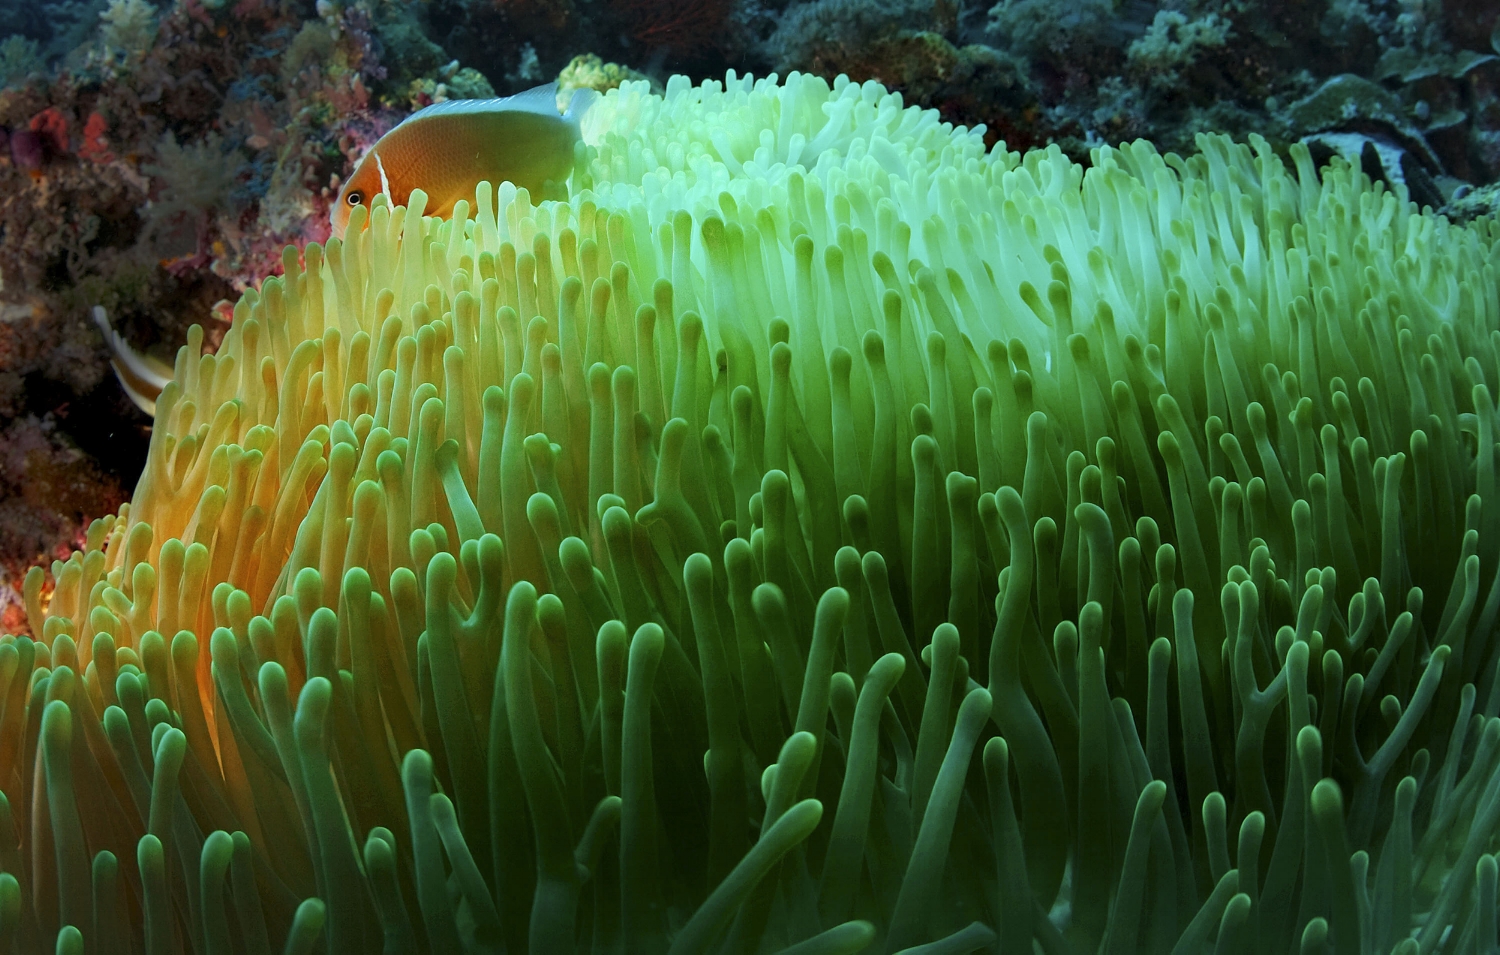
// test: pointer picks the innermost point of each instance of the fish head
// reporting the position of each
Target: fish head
(360, 189)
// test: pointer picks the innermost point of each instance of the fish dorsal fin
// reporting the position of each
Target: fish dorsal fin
(541, 100)
(582, 100)
(538, 99)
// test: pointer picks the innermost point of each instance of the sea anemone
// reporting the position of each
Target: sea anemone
(817, 534)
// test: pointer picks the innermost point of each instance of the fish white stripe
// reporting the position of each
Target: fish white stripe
(385, 183)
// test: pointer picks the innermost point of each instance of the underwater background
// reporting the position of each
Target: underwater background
(906, 477)
(155, 157)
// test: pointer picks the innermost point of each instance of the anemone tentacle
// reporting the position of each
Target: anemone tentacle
(816, 533)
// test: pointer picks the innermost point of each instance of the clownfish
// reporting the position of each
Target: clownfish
(448, 148)
(142, 376)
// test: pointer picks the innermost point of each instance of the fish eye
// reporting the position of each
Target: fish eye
(354, 198)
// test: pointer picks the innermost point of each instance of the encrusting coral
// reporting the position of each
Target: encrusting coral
(816, 534)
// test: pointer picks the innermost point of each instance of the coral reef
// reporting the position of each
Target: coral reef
(1083, 73)
(685, 26)
(156, 168)
(172, 147)
(1473, 203)
(157, 156)
(588, 71)
(819, 530)
(127, 27)
(19, 57)
(1171, 45)
(904, 46)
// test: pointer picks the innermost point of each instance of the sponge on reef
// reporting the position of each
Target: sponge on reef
(817, 533)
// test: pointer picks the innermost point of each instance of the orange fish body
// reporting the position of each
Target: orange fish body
(449, 148)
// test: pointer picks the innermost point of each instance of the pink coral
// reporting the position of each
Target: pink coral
(95, 145)
(51, 129)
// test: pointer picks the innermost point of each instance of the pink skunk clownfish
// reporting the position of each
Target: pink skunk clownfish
(449, 148)
(446, 150)
(142, 376)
